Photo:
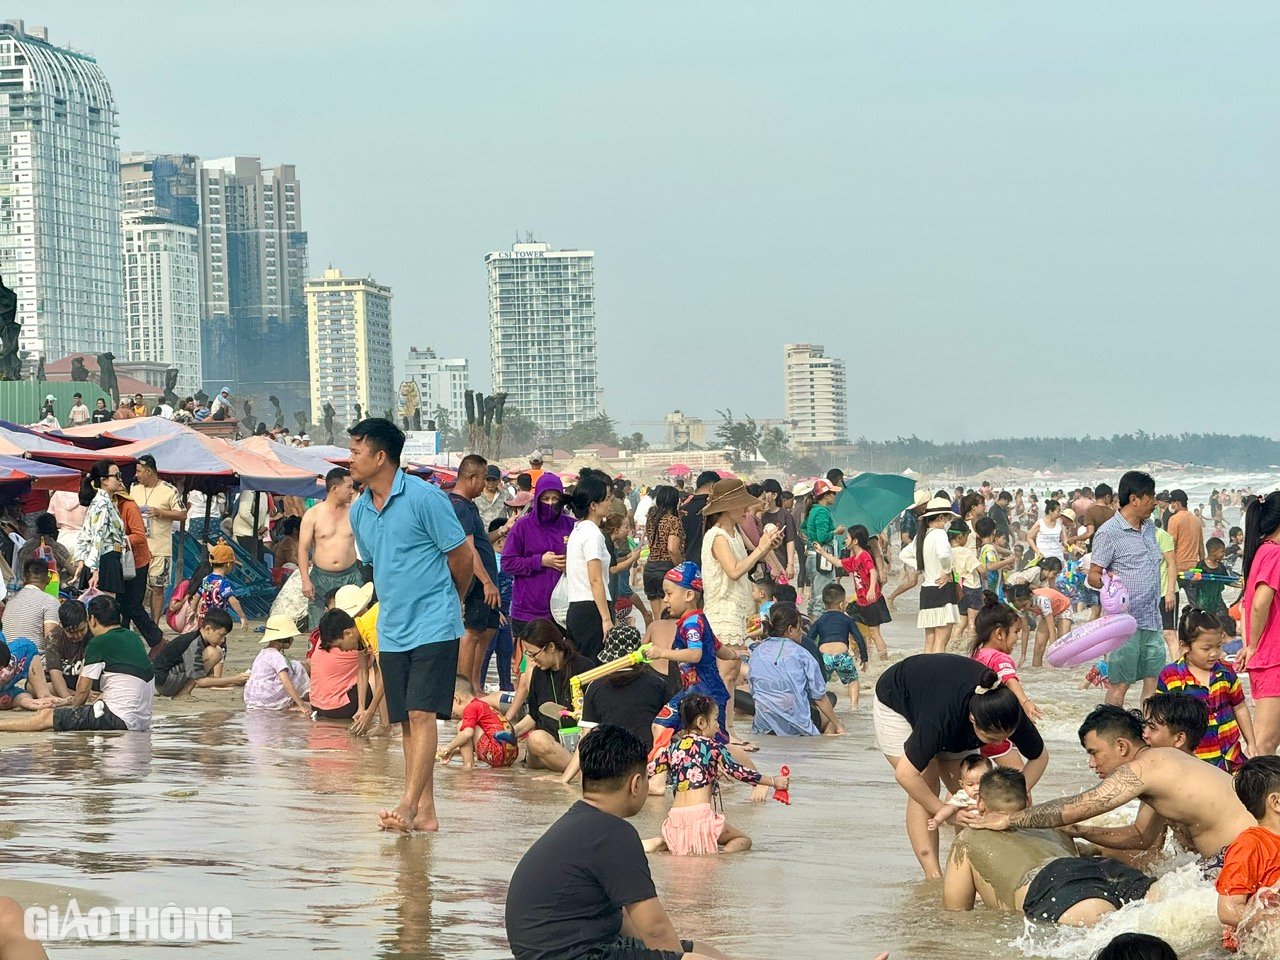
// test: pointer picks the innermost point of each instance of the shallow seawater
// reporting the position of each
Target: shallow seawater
(274, 817)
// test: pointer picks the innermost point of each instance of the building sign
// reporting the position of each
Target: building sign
(420, 444)
(517, 255)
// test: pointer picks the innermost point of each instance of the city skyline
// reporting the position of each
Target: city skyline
(1104, 201)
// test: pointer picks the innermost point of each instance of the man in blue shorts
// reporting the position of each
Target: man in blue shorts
(422, 566)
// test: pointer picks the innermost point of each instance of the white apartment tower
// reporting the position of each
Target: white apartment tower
(349, 345)
(816, 397)
(59, 196)
(542, 332)
(162, 295)
(442, 382)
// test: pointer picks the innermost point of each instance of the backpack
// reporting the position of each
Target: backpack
(181, 614)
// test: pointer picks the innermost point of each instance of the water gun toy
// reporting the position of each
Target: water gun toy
(1196, 575)
(783, 796)
(555, 711)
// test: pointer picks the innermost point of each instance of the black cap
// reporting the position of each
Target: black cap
(1163, 495)
(1179, 496)
(493, 473)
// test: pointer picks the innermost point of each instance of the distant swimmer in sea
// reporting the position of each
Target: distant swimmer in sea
(1036, 872)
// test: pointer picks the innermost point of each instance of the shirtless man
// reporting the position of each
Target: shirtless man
(326, 545)
(1176, 789)
(1036, 872)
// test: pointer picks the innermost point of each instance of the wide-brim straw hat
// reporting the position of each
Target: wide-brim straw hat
(938, 507)
(803, 488)
(729, 494)
(279, 627)
(352, 600)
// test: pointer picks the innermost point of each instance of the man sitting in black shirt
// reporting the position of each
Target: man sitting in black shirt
(583, 890)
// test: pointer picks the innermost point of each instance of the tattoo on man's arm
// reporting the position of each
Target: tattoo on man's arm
(1119, 788)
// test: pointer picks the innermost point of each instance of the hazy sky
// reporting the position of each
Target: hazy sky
(1029, 218)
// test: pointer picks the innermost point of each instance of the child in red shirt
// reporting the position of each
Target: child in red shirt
(1252, 861)
(477, 727)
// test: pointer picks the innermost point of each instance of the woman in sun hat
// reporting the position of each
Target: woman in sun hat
(938, 611)
(725, 567)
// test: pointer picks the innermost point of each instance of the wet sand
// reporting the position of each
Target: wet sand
(275, 817)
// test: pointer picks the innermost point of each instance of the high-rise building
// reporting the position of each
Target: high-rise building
(59, 196)
(254, 272)
(349, 343)
(160, 199)
(442, 382)
(542, 332)
(816, 398)
(162, 295)
(165, 186)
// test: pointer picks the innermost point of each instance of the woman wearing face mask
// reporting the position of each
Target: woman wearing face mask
(534, 554)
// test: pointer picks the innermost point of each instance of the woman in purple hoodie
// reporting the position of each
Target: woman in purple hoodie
(534, 554)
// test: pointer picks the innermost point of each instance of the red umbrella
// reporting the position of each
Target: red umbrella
(678, 470)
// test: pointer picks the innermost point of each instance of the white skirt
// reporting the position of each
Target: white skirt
(937, 617)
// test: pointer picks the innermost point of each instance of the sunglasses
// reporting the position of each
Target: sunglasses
(115, 475)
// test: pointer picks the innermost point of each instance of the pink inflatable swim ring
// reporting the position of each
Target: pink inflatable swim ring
(1114, 596)
(1097, 638)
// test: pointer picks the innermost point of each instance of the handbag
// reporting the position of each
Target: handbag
(127, 562)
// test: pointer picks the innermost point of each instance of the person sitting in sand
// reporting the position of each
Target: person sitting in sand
(116, 663)
(1194, 797)
(1036, 872)
(1252, 863)
(787, 683)
(64, 648)
(584, 888)
(20, 664)
(195, 659)
(479, 726)
(695, 763)
(275, 682)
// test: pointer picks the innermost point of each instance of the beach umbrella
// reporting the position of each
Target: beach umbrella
(95, 436)
(18, 441)
(303, 458)
(678, 470)
(16, 471)
(873, 500)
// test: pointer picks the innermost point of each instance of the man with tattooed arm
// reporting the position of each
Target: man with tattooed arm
(1193, 797)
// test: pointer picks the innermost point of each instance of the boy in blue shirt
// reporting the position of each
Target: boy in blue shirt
(831, 632)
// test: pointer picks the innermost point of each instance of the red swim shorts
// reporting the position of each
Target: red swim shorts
(496, 754)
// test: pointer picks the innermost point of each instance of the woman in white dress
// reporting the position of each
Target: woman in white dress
(938, 609)
(726, 586)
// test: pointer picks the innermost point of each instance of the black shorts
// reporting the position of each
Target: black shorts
(345, 712)
(476, 614)
(92, 716)
(1168, 618)
(654, 573)
(971, 598)
(1070, 880)
(633, 948)
(420, 679)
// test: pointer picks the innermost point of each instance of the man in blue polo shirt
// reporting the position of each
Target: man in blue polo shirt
(1126, 547)
(422, 565)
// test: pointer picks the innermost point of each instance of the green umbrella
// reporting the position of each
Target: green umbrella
(872, 500)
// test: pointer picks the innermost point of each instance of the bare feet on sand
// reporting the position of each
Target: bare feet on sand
(400, 820)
